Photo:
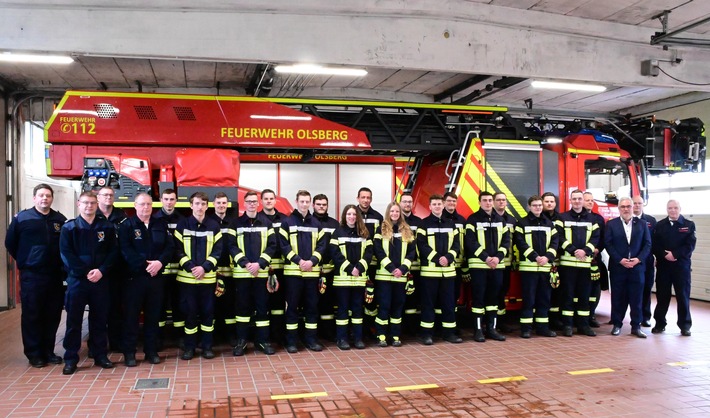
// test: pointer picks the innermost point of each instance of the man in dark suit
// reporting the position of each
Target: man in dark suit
(628, 243)
(649, 264)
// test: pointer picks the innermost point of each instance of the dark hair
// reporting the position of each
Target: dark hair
(576, 191)
(451, 194)
(359, 222)
(546, 194)
(405, 194)
(435, 197)
(169, 191)
(484, 193)
(534, 198)
(220, 195)
(320, 196)
(497, 193)
(265, 191)
(250, 193)
(302, 193)
(364, 189)
(199, 195)
(42, 186)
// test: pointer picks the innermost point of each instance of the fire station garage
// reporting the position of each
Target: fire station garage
(403, 98)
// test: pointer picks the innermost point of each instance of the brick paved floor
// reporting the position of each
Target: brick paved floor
(664, 376)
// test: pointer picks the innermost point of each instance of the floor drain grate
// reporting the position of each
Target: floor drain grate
(152, 383)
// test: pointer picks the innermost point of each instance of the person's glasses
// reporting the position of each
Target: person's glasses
(625, 207)
(106, 194)
(87, 202)
(251, 202)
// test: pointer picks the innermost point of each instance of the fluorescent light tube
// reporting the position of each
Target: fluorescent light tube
(567, 86)
(317, 69)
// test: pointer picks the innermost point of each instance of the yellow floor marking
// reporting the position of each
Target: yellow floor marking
(688, 363)
(592, 371)
(299, 395)
(411, 387)
(503, 379)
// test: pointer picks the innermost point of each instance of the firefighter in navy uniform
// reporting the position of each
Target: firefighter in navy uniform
(373, 219)
(500, 204)
(395, 246)
(673, 245)
(303, 243)
(537, 241)
(171, 294)
(225, 314)
(549, 211)
(438, 244)
(487, 243)
(252, 251)
(462, 273)
(411, 302)
(599, 273)
(351, 250)
(146, 246)
(326, 302)
(579, 234)
(277, 296)
(89, 250)
(198, 245)
(108, 211)
(33, 241)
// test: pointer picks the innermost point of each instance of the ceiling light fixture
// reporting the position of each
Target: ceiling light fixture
(317, 69)
(567, 86)
(35, 59)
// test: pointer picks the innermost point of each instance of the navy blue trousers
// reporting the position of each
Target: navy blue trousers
(536, 300)
(80, 293)
(197, 301)
(649, 275)
(437, 292)
(576, 285)
(390, 297)
(145, 294)
(351, 300)
(677, 275)
(485, 291)
(42, 298)
(301, 292)
(251, 296)
(626, 292)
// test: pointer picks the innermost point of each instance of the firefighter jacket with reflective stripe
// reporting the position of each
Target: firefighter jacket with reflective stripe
(171, 220)
(578, 231)
(224, 262)
(460, 223)
(139, 243)
(251, 240)
(301, 238)
(414, 221)
(536, 237)
(510, 223)
(350, 251)
(486, 236)
(33, 241)
(437, 237)
(328, 226)
(198, 244)
(394, 253)
(277, 261)
(86, 246)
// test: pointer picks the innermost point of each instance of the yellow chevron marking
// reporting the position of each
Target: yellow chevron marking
(591, 371)
(411, 387)
(299, 395)
(502, 379)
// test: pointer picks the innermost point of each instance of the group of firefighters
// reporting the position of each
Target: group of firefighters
(263, 273)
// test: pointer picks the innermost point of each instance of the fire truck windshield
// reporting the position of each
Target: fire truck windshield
(607, 178)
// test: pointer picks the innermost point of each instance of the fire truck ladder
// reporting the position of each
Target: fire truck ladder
(413, 171)
(457, 158)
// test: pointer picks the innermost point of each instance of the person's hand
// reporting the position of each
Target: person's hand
(94, 275)
(580, 254)
(253, 269)
(306, 265)
(443, 261)
(670, 257)
(198, 272)
(154, 267)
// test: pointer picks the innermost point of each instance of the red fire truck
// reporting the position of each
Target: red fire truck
(137, 142)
